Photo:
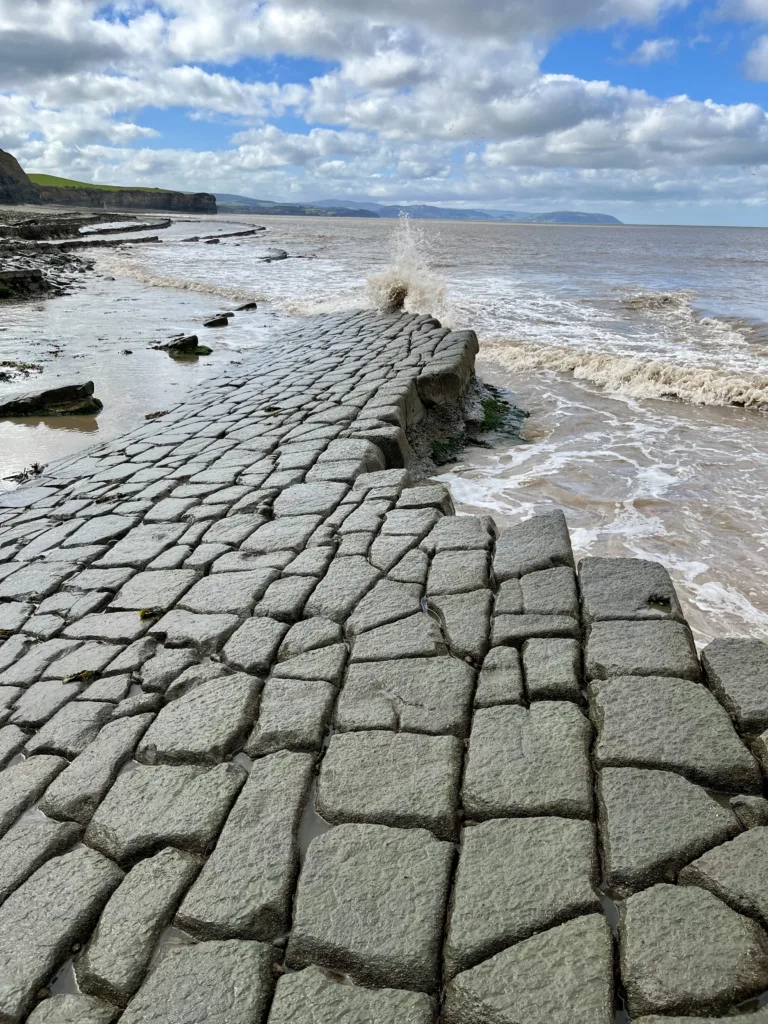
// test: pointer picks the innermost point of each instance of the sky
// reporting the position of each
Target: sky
(651, 110)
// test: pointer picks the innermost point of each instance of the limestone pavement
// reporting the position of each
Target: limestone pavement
(284, 741)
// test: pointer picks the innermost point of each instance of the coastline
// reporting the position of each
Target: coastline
(249, 632)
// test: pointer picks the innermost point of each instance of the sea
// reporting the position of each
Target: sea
(639, 353)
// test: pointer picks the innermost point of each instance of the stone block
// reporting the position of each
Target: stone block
(429, 695)
(28, 845)
(88, 658)
(313, 997)
(737, 673)
(725, 957)
(458, 533)
(141, 546)
(327, 663)
(652, 823)
(36, 581)
(655, 648)
(541, 542)
(343, 587)
(246, 886)
(234, 592)
(12, 739)
(387, 602)
(111, 689)
(22, 784)
(116, 958)
(737, 873)
(113, 627)
(41, 921)
(160, 671)
(528, 762)
(289, 533)
(198, 983)
(204, 726)
(285, 598)
(73, 1009)
(671, 724)
(77, 792)
(181, 628)
(356, 874)
(319, 498)
(158, 589)
(406, 780)
(417, 636)
(294, 715)
(41, 701)
(254, 646)
(417, 522)
(308, 635)
(517, 877)
(752, 811)
(465, 620)
(552, 669)
(158, 806)
(457, 572)
(562, 976)
(501, 679)
(627, 588)
(71, 729)
(550, 592)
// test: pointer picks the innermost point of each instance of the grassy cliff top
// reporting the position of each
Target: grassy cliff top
(51, 179)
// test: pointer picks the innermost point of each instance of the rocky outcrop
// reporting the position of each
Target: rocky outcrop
(128, 199)
(70, 400)
(15, 186)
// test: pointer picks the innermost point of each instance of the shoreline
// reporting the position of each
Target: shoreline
(247, 649)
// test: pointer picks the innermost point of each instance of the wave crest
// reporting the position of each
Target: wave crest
(628, 375)
(409, 271)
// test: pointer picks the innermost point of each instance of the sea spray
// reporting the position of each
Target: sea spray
(411, 253)
(640, 378)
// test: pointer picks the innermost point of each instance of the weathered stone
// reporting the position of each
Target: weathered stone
(100, 529)
(387, 602)
(233, 529)
(115, 960)
(737, 873)
(310, 634)
(254, 646)
(737, 672)
(160, 806)
(156, 589)
(563, 976)
(386, 552)
(13, 615)
(528, 762)
(640, 649)
(654, 822)
(36, 581)
(458, 533)
(80, 788)
(535, 544)
(100, 579)
(116, 627)
(82, 660)
(501, 679)
(417, 636)
(412, 568)
(405, 780)
(327, 663)
(552, 669)
(139, 704)
(205, 725)
(42, 700)
(413, 695)
(21, 784)
(516, 629)
(111, 689)
(550, 592)
(310, 562)
(28, 845)
(515, 878)
(356, 874)
(73, 1009)
(11, 651)
(199, 983)
(416, 522)
(71, 729)
(181, 628)
(310, 499)
(457, 572)
(27, 669)
(342, 588)
(289, 533)
(627, 588)
(159, 672)
(285, 598)
(294, 715)
(752, 811)
(683, 951)
(141, 545)
(509, 598)
(313, 997)
(39, 923)
(134, 656)
(12, 739)
(235, 592)
(246, 885)
(671, 724)
(465, 620)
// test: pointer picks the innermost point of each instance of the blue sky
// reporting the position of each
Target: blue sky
(653, 110)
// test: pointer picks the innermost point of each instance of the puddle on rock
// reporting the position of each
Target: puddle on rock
(170, 938)
(243, 759)
(65, 983)
(311, 825)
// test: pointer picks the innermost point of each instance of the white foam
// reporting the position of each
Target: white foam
(411, 254)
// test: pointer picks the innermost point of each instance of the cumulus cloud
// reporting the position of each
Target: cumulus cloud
(652, 50)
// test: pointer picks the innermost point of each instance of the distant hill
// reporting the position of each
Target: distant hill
(228, 203)
(421, 212)
(50, 180)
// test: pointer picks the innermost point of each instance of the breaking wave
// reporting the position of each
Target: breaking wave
(628, 375)
(409, 271)
(127, 269)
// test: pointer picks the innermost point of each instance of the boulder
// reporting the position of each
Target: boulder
(15, 186)
(70, 400)
(188, 346)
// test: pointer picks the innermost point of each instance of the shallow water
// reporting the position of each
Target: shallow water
(594, 331)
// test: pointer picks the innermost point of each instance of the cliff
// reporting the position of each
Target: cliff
(128, 199)
(15, 186)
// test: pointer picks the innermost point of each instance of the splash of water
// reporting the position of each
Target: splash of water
(411, 252)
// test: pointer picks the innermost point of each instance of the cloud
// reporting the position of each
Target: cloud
(652, 50)
(756, 61)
